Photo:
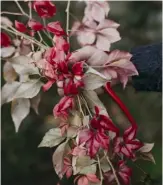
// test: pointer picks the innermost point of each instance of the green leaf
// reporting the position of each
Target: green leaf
(19, 110)
(52, 138)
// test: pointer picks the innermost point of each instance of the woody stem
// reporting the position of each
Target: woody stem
(68, 17)
(120, 103)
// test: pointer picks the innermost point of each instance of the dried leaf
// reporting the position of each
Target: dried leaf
(52, 138)
(23, 65)
(146, 148)
(5, 21)
(58, 157)
(93, 100)
(9, 73)
(148, 157)
(7, 51)
(19, 110)
(35, 102)
(94, 79)
(75, 120)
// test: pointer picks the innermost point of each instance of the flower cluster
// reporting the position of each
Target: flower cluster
(90, 145)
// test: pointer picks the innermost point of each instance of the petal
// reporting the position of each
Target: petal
(106, 23)
(83, 181)
(34, 25)
(20, 27)
(111, 34)
(103, 43)
(55, 28)
(130, 133)
(126, 152)
(93, 178)
(86, 37)
(77, 68)
(5, 40)
(48, 85)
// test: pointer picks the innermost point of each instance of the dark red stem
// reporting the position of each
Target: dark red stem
(120, 103)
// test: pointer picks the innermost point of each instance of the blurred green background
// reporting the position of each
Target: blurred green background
(25, 164)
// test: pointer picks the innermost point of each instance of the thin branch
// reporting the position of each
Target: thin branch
(21, 9)
(47, 33)
(14, 31)
(113, 170)
(41, 39)
(30, 9)
(11, 13)
(68, 19)
(99, 165)
(86, 105)
(80, 107)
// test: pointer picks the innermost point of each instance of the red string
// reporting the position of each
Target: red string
(120, 103)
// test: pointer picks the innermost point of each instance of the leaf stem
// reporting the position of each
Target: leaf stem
(113, 170)
(86, 105)
(80, 107)
(99, 165)
(11, 13)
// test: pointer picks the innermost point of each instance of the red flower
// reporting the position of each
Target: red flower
(71, 80)
(62, 108)
(34, 25)
(44, 9)
(100, 121)
(85, 179)
(67, 168)
(55, 28)
(94, 140)
(123, 172)
(5, 40)
(128, 144)
(20, 27)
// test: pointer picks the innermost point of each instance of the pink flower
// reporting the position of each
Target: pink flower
(62, 108)
(101, 35)
(61, 43)
(20, 27)
(96, 10)
(55, 28)
(5, 40)
(44, 9)
(79, 151)
(128, 144)
(94, 140)
(34, 25)
(116, 64)
(86, 179)
(100, 121)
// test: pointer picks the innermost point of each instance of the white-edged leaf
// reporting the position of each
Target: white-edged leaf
(148, 157)
(146, 148)
(8, 91)
(93, 100)
(58, 157)
(7, 51)
(94, 79)
(52, 138)
(9, 73)
(89, 169)
(19, 110)
(23, 65)
(75, 120)
(35, 102)
(28, 89)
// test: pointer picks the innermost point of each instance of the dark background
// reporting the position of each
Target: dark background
(25, 164)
